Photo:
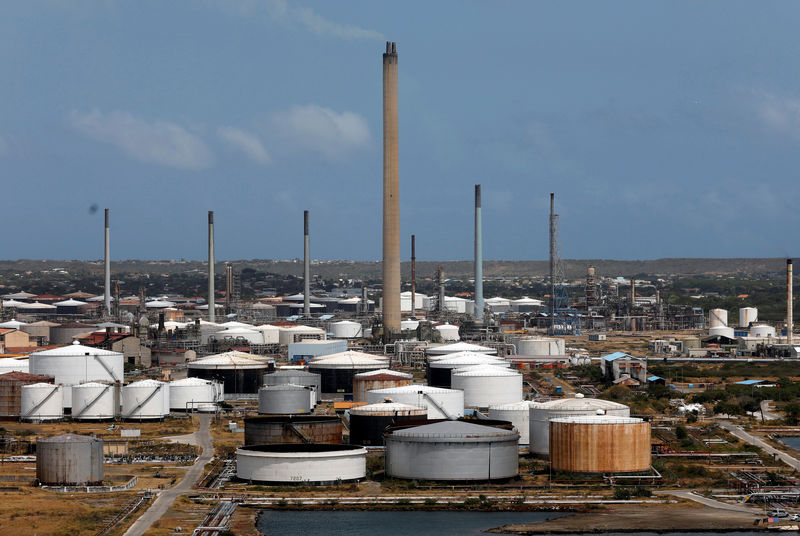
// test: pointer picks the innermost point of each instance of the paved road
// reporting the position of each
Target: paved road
(165, 498)
(767, 411)
(685, 494)
(753, 440)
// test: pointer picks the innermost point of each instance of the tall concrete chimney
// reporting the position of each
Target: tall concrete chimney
(789, 320)
(413, 275)
(211, 306)
(107, 282)
(478, 257)
(552, 262)
(391, 195)
(306, 269)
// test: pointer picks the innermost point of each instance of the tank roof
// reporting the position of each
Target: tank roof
(413, 388)
(190, 381)
(90, 384)
(302, 447)
(449, 430)
(256, 419)
(294, 372)
(75, 350)
(460, 347)
(581, 404)
(389, 408)
(598, 419)
(284, 387)
(145, 383)
(513, 406)
(488, 371)
(474, 359)
(69, 438)
(394, 374)
(24, 376)
(233, 360)
(349, 359)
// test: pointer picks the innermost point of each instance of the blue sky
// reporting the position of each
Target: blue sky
(666, 129)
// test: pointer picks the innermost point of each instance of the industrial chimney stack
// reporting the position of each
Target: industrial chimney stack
(478, 257)
(552, 261)
(413, 275)
(789, 320)
(391, 196)
(211, 306)
(306, 269)
(107, 282)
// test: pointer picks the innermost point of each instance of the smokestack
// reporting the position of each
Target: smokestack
(478, 257)
(789, 320)
(306, 269)
(552, 261)
(211, 306)
(107, 282)
(413, 275)
(633, 292)
(391, 195)
(228, 287)
(591, 286)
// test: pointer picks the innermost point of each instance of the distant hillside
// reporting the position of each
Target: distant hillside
(453, 269)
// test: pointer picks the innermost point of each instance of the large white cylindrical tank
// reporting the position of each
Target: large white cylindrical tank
(406, 325)
(251, 336)
(452, 450)
(75, 363)
(721, 330)
(488, 384)
(286, 399)
(762, 331)
(448, 332)
(717, 318)
(41, 402)
(12, 364)
(270, 333)
(458, 347)
(346, 330)
(441, 403)
(195, 394)
(517, 413)
(439, 370)
(378, 379)
(540, 346)
(94, 401)
(747, 315)
(541, 413)
(301, 463)
(145, 400)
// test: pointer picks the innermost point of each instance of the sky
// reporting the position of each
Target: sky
(665, 128)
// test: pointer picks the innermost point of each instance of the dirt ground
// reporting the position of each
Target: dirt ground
(630, 518)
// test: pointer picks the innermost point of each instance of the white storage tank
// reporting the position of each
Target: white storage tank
(518, 414)
(145, 400)
(301, 463)
(409, 325)
(13, 364)
(286, 399)
(338, 370)
(297, 377)
(439, 370)
(270, 333)
(459, 347)
(195, 394)
(747, 315)
(540, 346)
(346, 330)
(41, 402)
(542, 413)
(448, 332)
(441, 403)
(250, 336)
(378, 379)
(452, 450)
(488, 384)
(75, 363)
(721, 330)
(93, 401)
(762, 331)
(717, 318)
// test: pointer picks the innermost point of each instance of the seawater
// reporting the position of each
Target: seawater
(792, 441)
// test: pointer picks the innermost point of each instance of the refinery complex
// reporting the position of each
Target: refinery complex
(173, 414)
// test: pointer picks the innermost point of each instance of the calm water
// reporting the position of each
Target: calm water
(403, 523)
(793, 442)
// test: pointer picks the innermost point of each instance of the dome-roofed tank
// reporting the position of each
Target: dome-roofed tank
(239, 372)
(452, 450)
(459, 347)
(42, 402)
(69, 460)
(441, 403)
(93, 401)
(542, 412)
(195, 394)
(378, 379)
(145, 400)
(368, 423)
(303, 464)
(286, 399)
(296, 377)
(439, 370)
(338, 370)
(346, 329)
(488, 384)
(517, 413)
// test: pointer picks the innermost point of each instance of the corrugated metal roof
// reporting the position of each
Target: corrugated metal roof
(615, 355)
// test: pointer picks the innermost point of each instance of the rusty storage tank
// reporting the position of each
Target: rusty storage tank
(11, 392)
(599, 444)
(286, 399)
(266, 429)
(314, 463)
(368, 423)
(378, 379)
(65, 333)
(69, 460)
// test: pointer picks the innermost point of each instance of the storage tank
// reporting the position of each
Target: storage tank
(250, 336)
(439, 371)
(41, 402)
(270, 333)
(297, 377)
(93, 401)
(378, 379)
(286, 399)
(69, 460)
(237, 371)
(441, 403)
(762, 331)
(542, 413)
(717, 318)
(298, 333)
(292, 429)
(747, 315)
(145, 400)
(488, 384)
(459, 347)
(338, 370)
(195, 394)
(346, 330)
(518, 414)
(65, 333)
(75, 363)
(304, 464)
(723, 331)
(13, 364)
(448, 332)
(409, 325)
(452, 450)
(11, 391)
(539, 346)
(599, 444)
(368, 423)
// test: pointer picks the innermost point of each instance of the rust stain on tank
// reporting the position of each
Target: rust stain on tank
(600, 448)
(371, 383)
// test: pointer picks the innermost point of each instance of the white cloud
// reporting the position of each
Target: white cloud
(324, 130)
(157, 142)
(248, 143)
(780, 113)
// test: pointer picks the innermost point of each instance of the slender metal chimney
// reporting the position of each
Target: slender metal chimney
(789, 320)
(413, 275)
(391, 196)
(552, 261)
(633, 292)
(478, 256)
(306, 269)
(107, 282)
(211, 305)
